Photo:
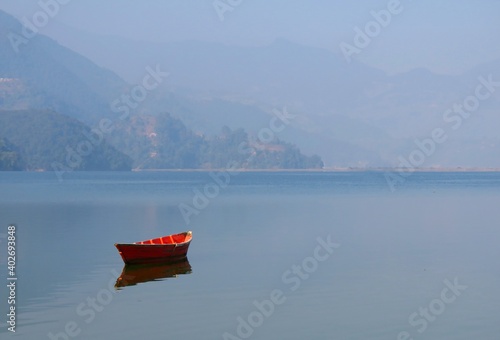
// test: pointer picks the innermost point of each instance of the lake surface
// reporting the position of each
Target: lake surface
(275, 255)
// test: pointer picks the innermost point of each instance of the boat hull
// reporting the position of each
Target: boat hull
(150, 252)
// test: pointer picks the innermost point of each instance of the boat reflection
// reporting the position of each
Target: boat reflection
(133, 274)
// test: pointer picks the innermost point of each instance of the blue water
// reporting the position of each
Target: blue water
(259, 266)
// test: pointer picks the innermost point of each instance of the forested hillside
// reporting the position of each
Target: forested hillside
(164, 142)
(44, 139)
(9, 157)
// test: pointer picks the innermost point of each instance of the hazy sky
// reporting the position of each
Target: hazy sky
(446, 36)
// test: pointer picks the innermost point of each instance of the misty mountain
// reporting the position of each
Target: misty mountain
(350, 113)
(344, 109)
(207, 97)
(281, 74)
(48, 93)
(52, 76)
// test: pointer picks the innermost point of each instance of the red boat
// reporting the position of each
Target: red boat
(161, 249)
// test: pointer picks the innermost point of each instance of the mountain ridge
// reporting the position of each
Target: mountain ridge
(351, 114)
(51, 95)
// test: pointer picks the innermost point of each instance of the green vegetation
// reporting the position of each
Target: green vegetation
(45, 138)
(9, 157)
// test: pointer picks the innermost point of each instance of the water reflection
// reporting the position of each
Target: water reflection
(133, 274)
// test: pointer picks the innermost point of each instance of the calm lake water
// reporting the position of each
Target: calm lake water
(281, 255)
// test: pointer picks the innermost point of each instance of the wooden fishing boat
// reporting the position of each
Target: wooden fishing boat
(162, 249)
(133, 274)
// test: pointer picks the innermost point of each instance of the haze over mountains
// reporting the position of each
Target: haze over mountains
(48, 93)
(350, 114)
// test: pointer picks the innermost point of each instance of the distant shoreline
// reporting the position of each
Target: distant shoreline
(325, 170)
(329, 170)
